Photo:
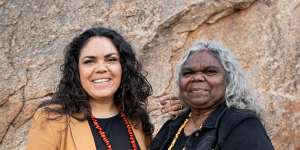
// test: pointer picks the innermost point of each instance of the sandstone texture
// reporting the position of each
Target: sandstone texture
(263, 34)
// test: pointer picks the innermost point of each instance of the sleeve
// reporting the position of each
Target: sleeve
(248, 135)
(42, 134)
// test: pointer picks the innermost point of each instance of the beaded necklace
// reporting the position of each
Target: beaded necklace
(104, 136)
(179, 131)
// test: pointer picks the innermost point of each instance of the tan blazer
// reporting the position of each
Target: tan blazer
(57, 135)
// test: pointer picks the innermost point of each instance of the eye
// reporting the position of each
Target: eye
(187, 73)
(211, 72)
(112, 59)
(88, 61)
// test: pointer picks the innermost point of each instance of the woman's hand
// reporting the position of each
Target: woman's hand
(171, 105)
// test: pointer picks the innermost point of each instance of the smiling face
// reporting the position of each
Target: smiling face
(202, 81)
(99, 68)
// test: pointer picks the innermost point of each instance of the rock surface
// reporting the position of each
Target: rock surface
(263, 34)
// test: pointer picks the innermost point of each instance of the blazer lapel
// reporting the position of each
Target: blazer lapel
(82, 135)
(140, 136)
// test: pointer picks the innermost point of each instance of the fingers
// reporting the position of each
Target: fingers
(165, 98)
(170, 104)
(173, 107)
(176, 102)
(175, 114)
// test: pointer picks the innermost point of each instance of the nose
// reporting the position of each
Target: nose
(101, 67)
(199, 77)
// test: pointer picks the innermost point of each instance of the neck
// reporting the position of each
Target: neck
(103, 108)
(196, 120)
(198, 117)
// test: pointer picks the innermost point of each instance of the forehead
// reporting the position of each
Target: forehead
(202, 59)
(98, 46)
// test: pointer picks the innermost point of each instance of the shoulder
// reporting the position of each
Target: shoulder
(234, 116)
(46, 129)
(175, 122)
(242, 128)
(47, 112)
(43, 118)
(241, 120)
(170, 127)
(241, 113)
(161, 137)
(248, 134)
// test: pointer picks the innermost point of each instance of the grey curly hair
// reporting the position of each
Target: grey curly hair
(237, 93)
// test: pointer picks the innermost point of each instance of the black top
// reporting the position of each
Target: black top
(225, 129)
(180, 142)
(116, 132)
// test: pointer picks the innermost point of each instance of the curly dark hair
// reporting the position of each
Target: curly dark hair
(131, 96)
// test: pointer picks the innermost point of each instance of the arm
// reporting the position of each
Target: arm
(248, 135)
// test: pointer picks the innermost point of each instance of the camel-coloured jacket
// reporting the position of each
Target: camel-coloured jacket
(67, 133)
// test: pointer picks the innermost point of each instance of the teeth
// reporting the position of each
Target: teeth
(100, 80)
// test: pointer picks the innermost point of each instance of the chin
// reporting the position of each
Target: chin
(102, 98)
(103, 95)
(200, 103)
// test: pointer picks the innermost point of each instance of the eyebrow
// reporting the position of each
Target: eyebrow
(214, 67)
(105, 56)
(187, 68)
(205, 68)
(111, 54)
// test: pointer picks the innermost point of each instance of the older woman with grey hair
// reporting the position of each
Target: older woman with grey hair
(222, 112)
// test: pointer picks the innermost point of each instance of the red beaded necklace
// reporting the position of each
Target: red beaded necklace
(104, 136)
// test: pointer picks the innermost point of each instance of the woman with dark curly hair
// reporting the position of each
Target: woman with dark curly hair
(101, 99)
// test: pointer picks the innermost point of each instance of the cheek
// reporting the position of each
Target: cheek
(183, 83)
(118, 71)
(83, 75)
(219, 85)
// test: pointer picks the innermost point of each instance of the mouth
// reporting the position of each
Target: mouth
(197, 90)
(102, 83)
(103, 80)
